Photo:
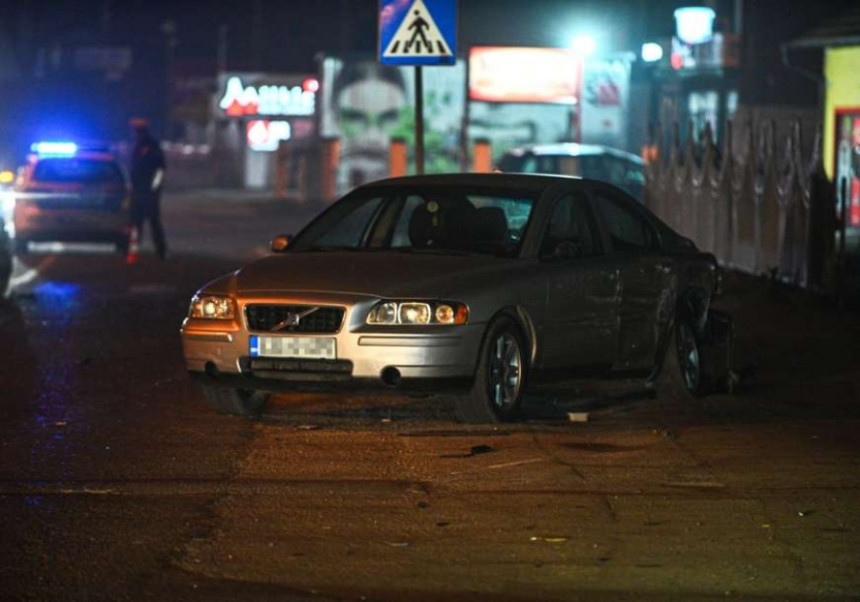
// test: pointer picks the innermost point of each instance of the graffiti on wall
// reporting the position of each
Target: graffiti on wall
(366, 105)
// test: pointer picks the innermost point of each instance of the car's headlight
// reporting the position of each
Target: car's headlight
(212, 307)
(418, 312)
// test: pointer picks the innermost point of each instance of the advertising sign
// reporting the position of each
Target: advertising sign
(253, 94)
(535, 75)
(366, 104)
(848, 164)
(264, 135)
(605, 99)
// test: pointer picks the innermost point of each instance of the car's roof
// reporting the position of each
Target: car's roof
(477, 180)
(572, 149)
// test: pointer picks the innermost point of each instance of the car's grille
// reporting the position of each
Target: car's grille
(264, 318)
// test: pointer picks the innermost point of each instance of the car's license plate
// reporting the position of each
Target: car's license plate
(320, 348)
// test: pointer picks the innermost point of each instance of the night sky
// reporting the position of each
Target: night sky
(286, 35)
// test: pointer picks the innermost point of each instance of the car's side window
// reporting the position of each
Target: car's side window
(571, 232)
(627, 230)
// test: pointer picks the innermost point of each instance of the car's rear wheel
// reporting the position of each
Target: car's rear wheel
(497, 392)
(236, 402)
(683, 372)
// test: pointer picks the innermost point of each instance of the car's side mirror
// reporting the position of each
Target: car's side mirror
(280, 243)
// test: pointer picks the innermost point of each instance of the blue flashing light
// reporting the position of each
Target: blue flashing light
(57, 149)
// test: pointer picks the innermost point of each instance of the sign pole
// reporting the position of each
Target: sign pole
(419, 121)
(418, 32)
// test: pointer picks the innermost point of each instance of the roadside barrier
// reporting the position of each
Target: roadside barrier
(757, 211)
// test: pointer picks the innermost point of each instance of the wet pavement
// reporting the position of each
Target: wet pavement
(118, 483)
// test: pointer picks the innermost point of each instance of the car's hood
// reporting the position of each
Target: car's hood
(380, 274)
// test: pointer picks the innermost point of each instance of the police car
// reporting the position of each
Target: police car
(71, 193)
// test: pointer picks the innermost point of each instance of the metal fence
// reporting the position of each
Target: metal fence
(755, 208)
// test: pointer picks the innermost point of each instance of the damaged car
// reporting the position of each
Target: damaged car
(472, 285)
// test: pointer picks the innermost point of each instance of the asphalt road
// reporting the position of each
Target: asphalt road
(118, 483)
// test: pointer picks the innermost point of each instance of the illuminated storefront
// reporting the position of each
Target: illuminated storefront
(842, 126)
(258, 111)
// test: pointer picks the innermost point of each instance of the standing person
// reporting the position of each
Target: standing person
(147, 176)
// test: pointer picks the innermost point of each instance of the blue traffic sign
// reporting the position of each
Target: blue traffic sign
(417, 32)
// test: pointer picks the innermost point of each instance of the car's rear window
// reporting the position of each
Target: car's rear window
(74, 169)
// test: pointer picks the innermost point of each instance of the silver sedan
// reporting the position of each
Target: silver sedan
(469, 284)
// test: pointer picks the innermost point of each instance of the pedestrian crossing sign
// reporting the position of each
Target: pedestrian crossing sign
(417, 32)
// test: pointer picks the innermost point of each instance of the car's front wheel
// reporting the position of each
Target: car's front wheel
(236, 402)
(497, 392)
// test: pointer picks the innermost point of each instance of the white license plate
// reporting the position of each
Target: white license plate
(319, 348)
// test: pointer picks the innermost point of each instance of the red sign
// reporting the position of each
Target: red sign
(530, 75)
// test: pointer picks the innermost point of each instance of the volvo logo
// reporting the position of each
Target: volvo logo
(293, 318)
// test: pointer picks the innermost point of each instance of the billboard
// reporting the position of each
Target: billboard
(524, 75)
(366, 104)
(605, 102)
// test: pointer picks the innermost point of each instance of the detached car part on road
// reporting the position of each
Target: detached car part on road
(469, 284)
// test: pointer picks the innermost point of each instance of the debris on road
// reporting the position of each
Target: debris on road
(308, 427)
(476, 450)
(577, 416)
(548, 539)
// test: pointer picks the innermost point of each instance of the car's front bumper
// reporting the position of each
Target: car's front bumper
(365, 355)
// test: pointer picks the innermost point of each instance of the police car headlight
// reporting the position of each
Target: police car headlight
(212, 307)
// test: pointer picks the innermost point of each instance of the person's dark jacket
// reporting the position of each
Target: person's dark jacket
(146, 159)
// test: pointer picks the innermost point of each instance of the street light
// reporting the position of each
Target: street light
(695, 24)
(651, 52)
(583, 44)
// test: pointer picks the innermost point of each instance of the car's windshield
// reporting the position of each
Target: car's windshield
(73, 169)
(438, 219)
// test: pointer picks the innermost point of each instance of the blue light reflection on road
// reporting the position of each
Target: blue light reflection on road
(57, 305)
(58, 301)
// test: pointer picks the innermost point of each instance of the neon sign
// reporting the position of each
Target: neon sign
(265, 135)
(240, 100)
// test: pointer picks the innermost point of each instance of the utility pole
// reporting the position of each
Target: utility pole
(222, 48)
(169, 29)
